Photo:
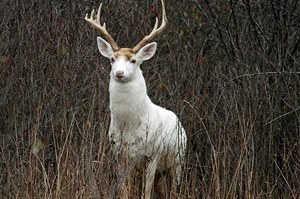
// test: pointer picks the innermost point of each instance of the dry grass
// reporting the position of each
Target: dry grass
(229, 69)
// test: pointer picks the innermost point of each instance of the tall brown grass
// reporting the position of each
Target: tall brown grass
(229, 69)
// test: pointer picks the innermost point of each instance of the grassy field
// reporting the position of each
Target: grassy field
(229, 69)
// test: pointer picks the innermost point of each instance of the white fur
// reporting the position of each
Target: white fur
(145, 128)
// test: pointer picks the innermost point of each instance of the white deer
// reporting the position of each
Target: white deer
(145, 129)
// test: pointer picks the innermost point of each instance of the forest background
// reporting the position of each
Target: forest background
(229, 69)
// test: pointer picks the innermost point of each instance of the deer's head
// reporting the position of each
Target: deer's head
(125, 61)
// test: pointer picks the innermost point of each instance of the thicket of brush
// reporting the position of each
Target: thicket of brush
(229, 69)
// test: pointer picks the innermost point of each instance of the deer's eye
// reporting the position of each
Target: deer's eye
(112, 60)
(133, 61)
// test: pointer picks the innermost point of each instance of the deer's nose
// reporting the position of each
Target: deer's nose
(119, 73)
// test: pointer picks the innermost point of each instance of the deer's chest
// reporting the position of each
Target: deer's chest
(134, 146)
(133, 139)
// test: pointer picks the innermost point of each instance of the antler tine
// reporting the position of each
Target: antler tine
(155, 26)
(98, 14)
(94, 21)
(155, 31)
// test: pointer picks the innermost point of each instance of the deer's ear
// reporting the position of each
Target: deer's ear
(147, 51)
(104, 48)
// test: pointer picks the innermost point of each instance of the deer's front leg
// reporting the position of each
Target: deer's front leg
(150, 175)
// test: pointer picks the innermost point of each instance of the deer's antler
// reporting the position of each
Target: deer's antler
(155, 32)
(94, 21)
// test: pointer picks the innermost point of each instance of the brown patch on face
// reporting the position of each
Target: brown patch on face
(124, 52)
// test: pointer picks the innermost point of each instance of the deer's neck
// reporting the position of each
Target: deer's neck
(129, 99)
